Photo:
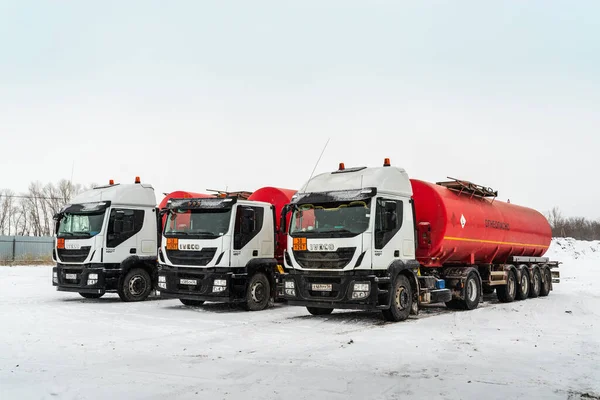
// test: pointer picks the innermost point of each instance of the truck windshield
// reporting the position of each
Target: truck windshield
(343, 219)
(80, 225)
(206, 224)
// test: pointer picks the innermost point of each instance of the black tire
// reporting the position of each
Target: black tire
(319, 311)
(258, 293)
(472, 294)
(546, 282)
(536, 284)
(524, 286)
(91, 295)
(507, 293)
(487, 289)
(401, 302)
(192, 303)
(135, 286)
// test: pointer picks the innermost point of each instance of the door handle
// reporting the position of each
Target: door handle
(396, 253)
(132, 251)
(255, 253)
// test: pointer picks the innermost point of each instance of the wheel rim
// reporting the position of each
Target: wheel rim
(511, 284)
(401, 298)
(257, 292)
(137, 285)
(472, 290)
(524, 283)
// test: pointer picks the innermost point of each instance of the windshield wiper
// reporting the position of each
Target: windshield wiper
(177, 233)
(203, 233)
(81, 233)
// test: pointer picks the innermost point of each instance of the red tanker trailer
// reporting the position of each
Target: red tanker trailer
(373, 239)
(458, 224)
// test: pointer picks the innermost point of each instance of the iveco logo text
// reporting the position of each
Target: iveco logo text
(321, 247)
(189, 246)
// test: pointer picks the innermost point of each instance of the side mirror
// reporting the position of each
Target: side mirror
(118, 226)
(248, 220)
(283, 219)
(389, 206)
(389, 216)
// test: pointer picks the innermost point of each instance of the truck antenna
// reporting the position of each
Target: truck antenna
(317, 163)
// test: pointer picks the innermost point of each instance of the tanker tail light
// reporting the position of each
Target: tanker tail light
(386, 162)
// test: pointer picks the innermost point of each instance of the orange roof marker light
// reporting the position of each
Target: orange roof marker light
(111, 182)
(386, 162)
(342, 167)
(138, 180)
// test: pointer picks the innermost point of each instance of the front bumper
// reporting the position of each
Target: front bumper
(107, 279)
(198, 284)
(340, 293)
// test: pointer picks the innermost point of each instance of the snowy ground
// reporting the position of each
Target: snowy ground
(58, 345)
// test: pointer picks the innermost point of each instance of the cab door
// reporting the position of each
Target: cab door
(121, 240)
(246, 241)
(387, 241)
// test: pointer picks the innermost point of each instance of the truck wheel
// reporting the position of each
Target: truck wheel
(546, 282)
(91, 295)
(193, 303)
(135, 286)
(401, 303)
(506, 293)
(319, 311)
(472, 294)
(524, 286)
(536, 284)
(258, 294)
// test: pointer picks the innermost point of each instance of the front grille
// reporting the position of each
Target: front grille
(325, 259)
(74, 256)
(198, 258)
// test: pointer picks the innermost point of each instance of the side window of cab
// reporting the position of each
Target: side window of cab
(122, 225)
(388, 220)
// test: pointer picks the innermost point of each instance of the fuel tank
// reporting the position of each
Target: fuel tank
(462, 227)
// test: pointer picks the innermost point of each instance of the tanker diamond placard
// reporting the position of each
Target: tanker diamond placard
(463, 220)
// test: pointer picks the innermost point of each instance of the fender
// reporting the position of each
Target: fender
(411, 267)
(268, 264)
(149, 262)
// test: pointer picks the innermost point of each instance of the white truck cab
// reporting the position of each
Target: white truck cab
(219, 249)
(106, 241)
(351, 232)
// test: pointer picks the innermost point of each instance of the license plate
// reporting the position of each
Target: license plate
(188, 281)
(71, 276)
(321, 287)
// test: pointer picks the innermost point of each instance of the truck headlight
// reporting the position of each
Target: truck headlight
(290, 284)
(55, 277)
(162, 285)
(218, 289)
(290, 292)
(220, 282)
(162, 278)
(93, 276)
(360, 290)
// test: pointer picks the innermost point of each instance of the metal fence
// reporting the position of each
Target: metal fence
(26, 248)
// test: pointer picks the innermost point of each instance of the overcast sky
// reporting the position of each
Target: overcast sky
(193, 95)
